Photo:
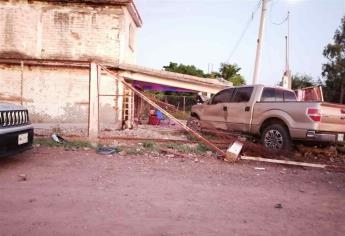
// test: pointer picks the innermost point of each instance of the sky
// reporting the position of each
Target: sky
(205, 33)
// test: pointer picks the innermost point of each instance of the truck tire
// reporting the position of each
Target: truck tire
(194, 124)
(276, 137)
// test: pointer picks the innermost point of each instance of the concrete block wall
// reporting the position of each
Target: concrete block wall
(57, 95)
(51, 94)
(35, 29)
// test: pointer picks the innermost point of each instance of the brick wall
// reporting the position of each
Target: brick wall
(56, 31)
(56, 94)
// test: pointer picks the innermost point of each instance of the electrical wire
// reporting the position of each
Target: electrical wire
(277, 23)
(250, 20)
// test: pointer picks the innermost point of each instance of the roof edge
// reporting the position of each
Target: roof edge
(133, 11)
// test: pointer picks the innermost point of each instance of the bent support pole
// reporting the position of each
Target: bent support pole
(149, 101)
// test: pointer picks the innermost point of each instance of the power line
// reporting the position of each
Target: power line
(277, 23)
(238, 42)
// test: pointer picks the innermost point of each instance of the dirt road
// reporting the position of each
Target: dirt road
(82, 193)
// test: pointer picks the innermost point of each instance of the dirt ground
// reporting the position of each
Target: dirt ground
(50, 191)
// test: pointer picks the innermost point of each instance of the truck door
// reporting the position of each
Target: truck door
(239, 110)
(215, 112)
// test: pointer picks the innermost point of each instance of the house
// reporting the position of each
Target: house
(46, 47)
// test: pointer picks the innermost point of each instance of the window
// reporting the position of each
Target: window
(268, 95)
(279, 95)
(289, 96)
(131, 37)
(243, 94)
(222, 96)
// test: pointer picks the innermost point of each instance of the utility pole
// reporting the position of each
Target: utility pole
(259, 41)
(287, 80)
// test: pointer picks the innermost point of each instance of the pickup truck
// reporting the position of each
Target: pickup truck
(271, 113)
(16, 131)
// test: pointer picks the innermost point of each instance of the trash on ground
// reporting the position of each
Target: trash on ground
(22, 177)
(259, 168)
(57, 138)
(107, 150)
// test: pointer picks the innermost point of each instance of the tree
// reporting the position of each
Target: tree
(334, 70)
(213, 75)
(302, 81)
(230, 72)
(184, 69)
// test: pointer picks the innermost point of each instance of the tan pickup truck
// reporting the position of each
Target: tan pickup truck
(273, 114)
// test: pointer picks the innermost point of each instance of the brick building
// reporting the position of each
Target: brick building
(45, 51)
(44, 47)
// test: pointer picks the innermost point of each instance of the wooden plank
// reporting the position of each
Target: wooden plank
(294, 163)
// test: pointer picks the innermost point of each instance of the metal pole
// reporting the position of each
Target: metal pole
(260, 41)
(184, 103)
(21, 82)
(287, 80)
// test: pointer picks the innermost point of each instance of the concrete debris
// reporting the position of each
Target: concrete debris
(22, 177)
(123, 153)
(209, 153)
(155, 132)
(233, 152)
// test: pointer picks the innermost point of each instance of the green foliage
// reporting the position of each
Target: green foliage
(148, 144)
(213, 75)
(334, 70)
(201, 148)
(302, 81)
(237, 80)
(226, 71)
(231, 73)
(69, 145)
(184, 69)
(188, 148)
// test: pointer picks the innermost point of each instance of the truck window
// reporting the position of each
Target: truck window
(223, 96)
(268, 95)
(289, 96)
(279, 95)
(243, 94)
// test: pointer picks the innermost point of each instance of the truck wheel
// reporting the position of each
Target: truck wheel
(194, 124)
(276, 137)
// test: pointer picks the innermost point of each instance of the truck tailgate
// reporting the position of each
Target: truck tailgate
(333, 117)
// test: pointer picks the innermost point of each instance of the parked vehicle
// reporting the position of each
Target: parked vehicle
(273, 114)
(16, 131)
